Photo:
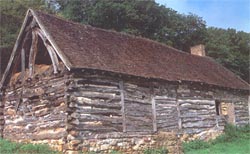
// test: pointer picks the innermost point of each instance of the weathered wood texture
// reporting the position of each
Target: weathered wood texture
(85, 107)
(138, 108)
(197, 115)
(167, 114)
(241, 113)
(94, 107)
(36, 110)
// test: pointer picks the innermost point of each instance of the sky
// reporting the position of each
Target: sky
(217, 13)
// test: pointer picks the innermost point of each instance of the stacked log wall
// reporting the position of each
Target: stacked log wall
(197, 110)
(241, 105)
(94, 109)
(35, 111)
(167, 113)
(138, 108)
(90, 111)
(108, 113)
(241, 113)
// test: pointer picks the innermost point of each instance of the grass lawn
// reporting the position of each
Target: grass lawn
(235, 140)
(7, 147)
(239, 146)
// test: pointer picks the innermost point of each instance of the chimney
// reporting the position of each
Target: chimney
(198, 50)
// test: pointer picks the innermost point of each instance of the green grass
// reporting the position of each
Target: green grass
(161, 150)
(235, 140)
(7, 147)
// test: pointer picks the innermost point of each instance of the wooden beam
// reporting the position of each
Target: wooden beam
(32, 55)
(53, 58)
(249, 107)
(179, 115)
(154, 114)
(50, 49)
(22, 64)
(121, 87)
(23, 54)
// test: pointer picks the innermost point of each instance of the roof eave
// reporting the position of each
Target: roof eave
(246, 88)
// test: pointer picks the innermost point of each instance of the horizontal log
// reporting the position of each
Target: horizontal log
(131, 128)
(167, 125)
(98, 111)
(132, 119)
(95, 104)
(96, 95)
(167, 122)
(88, 117)
(190, 112)
(138, 101)
(198, 125)
(94, 88)
(99, 129)
(96, 82)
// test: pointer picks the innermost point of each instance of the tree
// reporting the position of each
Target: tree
(12, 13)
(231, 49)
(141, 18)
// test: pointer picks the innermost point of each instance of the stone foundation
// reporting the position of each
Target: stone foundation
(129, 145)
(205, 135)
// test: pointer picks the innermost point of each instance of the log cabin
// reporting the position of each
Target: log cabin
(81, 88)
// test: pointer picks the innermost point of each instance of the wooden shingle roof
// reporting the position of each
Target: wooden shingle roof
(83, 46)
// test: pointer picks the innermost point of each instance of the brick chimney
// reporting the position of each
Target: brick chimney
(198, 50)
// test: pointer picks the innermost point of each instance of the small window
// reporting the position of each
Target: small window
(217, 107)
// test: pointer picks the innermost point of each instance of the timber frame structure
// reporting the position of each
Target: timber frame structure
(80, 88)
(32, 27)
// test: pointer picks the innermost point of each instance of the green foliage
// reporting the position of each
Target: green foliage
(161, 150)
(231, 49)
(238, 146)
(232, 135)
(196, 144)
(12, 13)
(143, 18)
(16, 148)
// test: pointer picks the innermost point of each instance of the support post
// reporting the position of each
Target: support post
(179, 116)
(23, 64)
(154, 114)
(249, 108)
(33, 52)
(50, 49)
(121, 86)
